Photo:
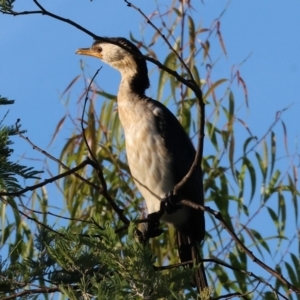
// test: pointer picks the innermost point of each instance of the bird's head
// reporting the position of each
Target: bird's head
(127, 59)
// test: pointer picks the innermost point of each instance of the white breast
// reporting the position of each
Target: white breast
(148, 159)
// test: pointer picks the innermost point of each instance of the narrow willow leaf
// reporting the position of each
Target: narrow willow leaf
(177, 11)
(70, 85)
(91, 131)
(186, 118)
(223, 278)
(231, 108)
(274, 217)
(221, 40)
(242, 82)
(169, 62)
(246, 143)
(285, 136)
(192, 35)
(240, 277)
(282, 212)
(212, 134)
(57, 129)
(231, 154)
(273, 181)
(293, 183)
(291, 272)
(273, 151)
(106, 95)
(196, 75)
(265, 156)
(225, 137)
(6, 233)
(296, 267)
(259, 240)
(252, 174)
(213, 87)
(262, 166)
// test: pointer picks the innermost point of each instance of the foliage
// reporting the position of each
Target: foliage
(97, 264)
(6, 4)
(94, 257)
(9, 170)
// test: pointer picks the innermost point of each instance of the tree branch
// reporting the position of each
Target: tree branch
(102, 191)
(45, 290)
(219, 217)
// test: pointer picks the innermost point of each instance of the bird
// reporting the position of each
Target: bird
(159, 151)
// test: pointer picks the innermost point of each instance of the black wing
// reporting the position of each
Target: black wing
(183, 153)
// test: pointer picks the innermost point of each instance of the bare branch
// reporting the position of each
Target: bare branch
(45, 290)
(47, 181)
(164, 38)
(250, 274)
(102, 191)
(219, 217)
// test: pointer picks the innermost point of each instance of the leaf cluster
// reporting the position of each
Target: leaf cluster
(6, 5)
(95, 265)
(10, 170)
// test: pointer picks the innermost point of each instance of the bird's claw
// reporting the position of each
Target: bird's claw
(151, 229)
(169, 204)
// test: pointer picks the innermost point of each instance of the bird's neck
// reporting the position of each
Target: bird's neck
(126, 93)
(130, 104)
(133, 83)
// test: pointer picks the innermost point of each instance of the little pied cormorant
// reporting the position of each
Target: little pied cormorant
(159, 151)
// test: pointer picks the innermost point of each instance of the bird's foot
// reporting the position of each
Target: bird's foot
(170, 203)
(151, 228)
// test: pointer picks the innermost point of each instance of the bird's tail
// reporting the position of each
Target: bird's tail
(188, 251)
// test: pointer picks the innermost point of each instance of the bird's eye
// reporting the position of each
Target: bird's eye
(99, 49)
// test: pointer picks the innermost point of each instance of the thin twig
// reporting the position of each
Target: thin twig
(99, 168)
(43, 11)
(219, 217)
(54, 215)
(13, 206)
(45, 290)
(102, 191)
(82, 118)
(250, 274)
(129, 4)
(49, 180)
(35, 147)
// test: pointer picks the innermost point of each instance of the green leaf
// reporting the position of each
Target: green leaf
(262, 166)
(282, 212)
(212, 88)
(296, 267)
(247, 142)
(192, 34)
(231, 154)
(169, 62)
(292, 274)
(259, 240)
(274, 217)
(273, 151)
(248, 164)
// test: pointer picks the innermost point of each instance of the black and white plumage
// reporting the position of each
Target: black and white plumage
(159, 152)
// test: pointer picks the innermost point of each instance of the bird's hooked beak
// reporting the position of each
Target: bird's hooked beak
(89, 52)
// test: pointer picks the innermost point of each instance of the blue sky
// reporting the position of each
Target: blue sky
(38, 60)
